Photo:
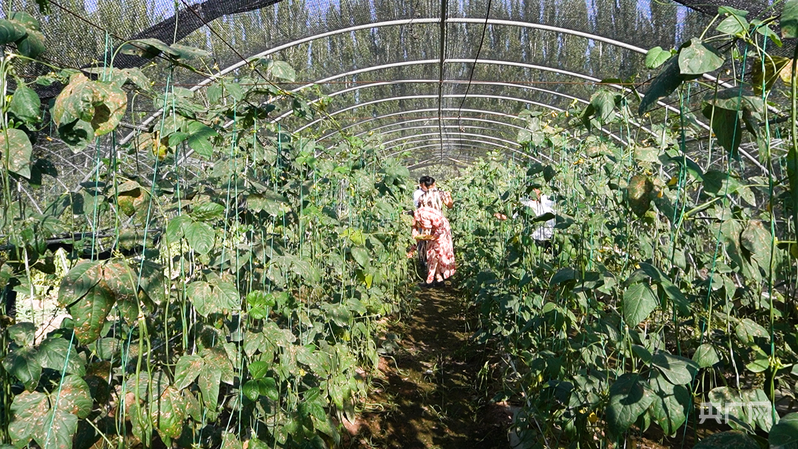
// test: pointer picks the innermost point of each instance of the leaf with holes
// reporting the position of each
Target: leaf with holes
(15, 150)
(99, 104)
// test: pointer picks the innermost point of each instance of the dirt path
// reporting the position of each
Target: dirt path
(430, 393)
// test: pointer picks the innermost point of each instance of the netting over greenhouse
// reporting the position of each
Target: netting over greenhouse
(218, 219)
(441, 82)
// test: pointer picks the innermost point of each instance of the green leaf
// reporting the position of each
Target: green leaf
(563, 275)
(759, 365)
(638, 302)
(706, 356)
(168, 412)
(53, 355)
(186, 52)
(656, 57)
(670, 404)
(175, 230)
(207, 211)
(147, 48)
(280, 69)
(27, 411)
(73, 396)
(678, 370)
(15, 150)
(789, 19)
(23, 363)
(758, 241)
(199, 133)
(251, 390)
(268, 388)
(200, 237)
(629, 398)
(78, 281)
(698, 58)
(785, 433)
(734, 25)
(11, 31)
(32, 45)
(361, 256)
(187, 369)
(751, 333)
(258, 369)
(23, 334)
(26, 105)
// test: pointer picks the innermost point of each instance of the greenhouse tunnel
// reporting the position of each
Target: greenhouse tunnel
(206, 223)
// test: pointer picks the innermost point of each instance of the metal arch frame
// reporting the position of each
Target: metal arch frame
(424, 127)
(476, 144)
(498, 139)
(414, 111)
(462, 144)
(389, 23)
(469, 61)
(415, 97)
(473, 119)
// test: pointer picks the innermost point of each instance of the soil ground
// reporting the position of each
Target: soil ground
(434, 391)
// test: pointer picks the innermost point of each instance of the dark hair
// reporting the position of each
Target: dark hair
(422, 181)
(429, 181)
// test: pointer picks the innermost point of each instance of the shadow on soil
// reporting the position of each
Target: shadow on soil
(430, 394)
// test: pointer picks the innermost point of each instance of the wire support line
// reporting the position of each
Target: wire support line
(444, 4)
(479, 52)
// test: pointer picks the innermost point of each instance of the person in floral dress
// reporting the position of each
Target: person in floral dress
(431, 226)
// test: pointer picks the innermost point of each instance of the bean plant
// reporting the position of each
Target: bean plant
(667, 298)
(229, 296)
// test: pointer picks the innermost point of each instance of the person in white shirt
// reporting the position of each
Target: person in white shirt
(420, 190)
(542, 205)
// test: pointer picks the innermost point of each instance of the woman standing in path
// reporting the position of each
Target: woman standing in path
(429, 224)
